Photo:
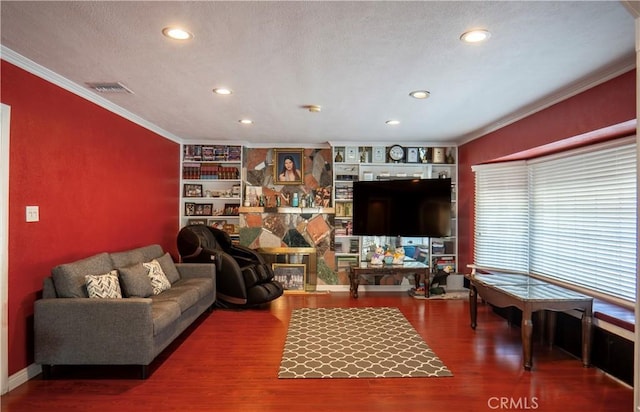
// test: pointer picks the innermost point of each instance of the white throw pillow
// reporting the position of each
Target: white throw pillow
(104, 286)
(159, 280)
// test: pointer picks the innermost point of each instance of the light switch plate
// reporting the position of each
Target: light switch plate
(33, 213)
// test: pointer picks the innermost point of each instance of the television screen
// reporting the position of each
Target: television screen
(411, 207)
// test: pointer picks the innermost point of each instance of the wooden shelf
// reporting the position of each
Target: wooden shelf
(286, 209)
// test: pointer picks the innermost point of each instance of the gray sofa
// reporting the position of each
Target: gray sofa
(72, 328)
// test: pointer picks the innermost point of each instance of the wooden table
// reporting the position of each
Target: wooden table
(530, 295)
(410, 267)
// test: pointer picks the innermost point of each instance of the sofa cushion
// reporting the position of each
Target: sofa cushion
(69, 280)
(133, 256)
(159, 280)
(164, 313)
(184, 296)
(105, 286)
(136, 281)
(204, 286)
(169, 268)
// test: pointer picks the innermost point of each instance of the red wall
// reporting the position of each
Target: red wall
(605, 105)
(102, 183)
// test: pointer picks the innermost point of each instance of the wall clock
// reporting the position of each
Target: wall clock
(396, 153)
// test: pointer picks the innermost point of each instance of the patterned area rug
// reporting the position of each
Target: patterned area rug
(356, 343)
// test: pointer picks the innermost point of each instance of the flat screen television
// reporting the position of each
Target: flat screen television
(408, 207)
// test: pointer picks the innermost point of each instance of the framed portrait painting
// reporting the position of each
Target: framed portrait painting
(288, 166)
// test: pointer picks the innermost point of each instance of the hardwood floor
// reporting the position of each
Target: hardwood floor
(228, 361)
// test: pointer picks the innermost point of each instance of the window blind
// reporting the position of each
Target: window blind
(583, 218)
(501, 216)
(570, 217)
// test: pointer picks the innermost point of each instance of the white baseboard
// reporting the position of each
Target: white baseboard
(24, 375)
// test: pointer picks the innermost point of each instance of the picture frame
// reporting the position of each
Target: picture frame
(288, 166)
(231, 209)
(192, 190)
(189, 209)
(413, 155)
(203, 209)
(216, 223)
(379, 154)
(230, 228)
(292, 276)
(351, 154)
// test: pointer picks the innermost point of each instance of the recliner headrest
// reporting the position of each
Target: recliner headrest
(222, 237)
(199, 234)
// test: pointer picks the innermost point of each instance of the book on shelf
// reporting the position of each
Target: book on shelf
(197, 152)
(234, 153)
(191, 170)
(207, 153)
(192, 152)
(346, 261)
(442, 262)
(344, 193)
(437, 246)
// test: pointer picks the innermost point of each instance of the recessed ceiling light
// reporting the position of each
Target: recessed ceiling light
(475, 36)
(222, 90)
(177, 33)
(246, 121)
(313, 108)
(392, 122)
(420, 94)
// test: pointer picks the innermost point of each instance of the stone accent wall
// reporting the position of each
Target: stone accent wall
(279, 227)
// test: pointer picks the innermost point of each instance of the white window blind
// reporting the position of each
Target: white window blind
(502, 216)
(570, 217)
(583, 219)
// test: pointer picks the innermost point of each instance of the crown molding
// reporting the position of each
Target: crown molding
(599, 77)
(52, 77)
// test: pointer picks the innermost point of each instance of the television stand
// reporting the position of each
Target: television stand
(410, 268)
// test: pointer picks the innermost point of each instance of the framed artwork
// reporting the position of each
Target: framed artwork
(216, 223)
(203, 209)
(413, 155)
(288, 166)
(191, 190)
(230, 228)
(189, 209)
(292, 276)
(231, 209)
(351, 154)
(379, 154)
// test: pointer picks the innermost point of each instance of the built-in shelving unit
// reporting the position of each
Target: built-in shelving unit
(211, 186)
(354, 163)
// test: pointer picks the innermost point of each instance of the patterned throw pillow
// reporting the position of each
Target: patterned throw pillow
(104, 286)
(159, 280)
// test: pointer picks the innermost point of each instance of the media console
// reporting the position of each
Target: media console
(410, 268)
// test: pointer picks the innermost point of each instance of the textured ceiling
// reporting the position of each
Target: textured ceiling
(358, 60)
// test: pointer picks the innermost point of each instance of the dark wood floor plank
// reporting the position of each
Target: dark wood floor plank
(229, 359)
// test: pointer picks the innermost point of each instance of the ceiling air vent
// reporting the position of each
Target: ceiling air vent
(112, 87)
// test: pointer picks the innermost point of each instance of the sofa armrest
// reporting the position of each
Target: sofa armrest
(93, 331)
(196, 270)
